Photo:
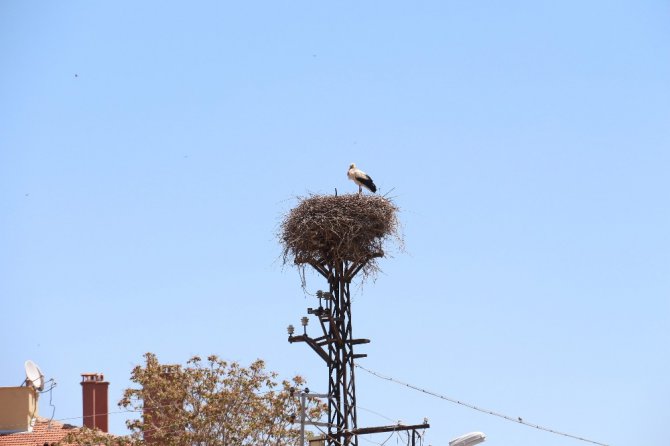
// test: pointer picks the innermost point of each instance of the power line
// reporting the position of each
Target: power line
(323, 432)
(376, 413)
(389, 437)
(263, 393)
(370, 441)
(115, 412)
(518, 420)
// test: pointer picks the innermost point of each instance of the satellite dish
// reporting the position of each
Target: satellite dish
(468, 439)
(34, 376)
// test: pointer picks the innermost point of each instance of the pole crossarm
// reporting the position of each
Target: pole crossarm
(393, 428)
(313, 344)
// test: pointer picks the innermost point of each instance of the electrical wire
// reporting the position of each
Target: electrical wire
(164, 429)
(367, 439)
(325, 434)
(389, 437)
(518, 420)
(421, 435)
(167, 428)
(263, 393)
(53, 407)
(120, 411)
(370, 441)
(376, 413)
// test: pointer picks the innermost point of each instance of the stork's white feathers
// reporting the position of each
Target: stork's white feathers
(361, 178)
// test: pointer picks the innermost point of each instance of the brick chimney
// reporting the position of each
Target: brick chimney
(94, 393)
(159, 409)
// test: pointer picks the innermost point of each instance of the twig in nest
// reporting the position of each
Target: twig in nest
(326, 229)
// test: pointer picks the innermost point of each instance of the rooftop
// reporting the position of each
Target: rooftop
(44, 432)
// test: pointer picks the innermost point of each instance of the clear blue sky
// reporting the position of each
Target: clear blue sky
(148, 151)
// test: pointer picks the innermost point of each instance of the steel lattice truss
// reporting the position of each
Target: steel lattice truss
(336, 348)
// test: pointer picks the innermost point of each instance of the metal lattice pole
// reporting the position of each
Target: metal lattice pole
(339, 237)
(342, 383)
(336, 347)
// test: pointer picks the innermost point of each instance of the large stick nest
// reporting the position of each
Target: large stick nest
(327, 229)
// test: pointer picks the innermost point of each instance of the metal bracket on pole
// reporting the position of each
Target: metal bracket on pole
(303, 397)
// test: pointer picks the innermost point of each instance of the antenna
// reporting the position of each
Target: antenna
(34, 376)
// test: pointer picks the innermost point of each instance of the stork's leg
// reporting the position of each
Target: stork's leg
(360, 189)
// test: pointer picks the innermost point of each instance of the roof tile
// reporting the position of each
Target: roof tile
(44, 432)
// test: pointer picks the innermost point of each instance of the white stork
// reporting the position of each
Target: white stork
(361, 178)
